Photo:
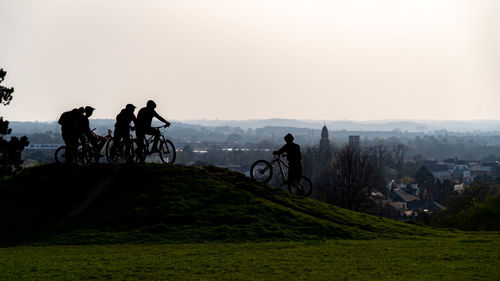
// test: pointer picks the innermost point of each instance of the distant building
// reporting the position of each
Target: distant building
(324, 156)
(324, 143)
(411, 207)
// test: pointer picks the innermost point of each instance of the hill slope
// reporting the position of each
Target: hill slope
(57, 204)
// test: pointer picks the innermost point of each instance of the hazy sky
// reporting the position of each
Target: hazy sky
(311, 59)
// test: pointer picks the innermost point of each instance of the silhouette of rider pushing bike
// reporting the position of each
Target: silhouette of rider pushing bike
(294, 157)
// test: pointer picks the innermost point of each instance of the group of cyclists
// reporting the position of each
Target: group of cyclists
(75, 128)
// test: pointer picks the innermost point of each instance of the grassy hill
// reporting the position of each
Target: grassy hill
(105, 204)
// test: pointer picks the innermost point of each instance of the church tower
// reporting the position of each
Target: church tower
(324, 158)
(324, 143)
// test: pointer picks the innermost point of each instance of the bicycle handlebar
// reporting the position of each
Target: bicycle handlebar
(278, 156)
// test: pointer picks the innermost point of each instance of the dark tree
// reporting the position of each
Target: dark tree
(352, 179)
(424, 177)
(399, 151)
(380, 158)
(10, 150)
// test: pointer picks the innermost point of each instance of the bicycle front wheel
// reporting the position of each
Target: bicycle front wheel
(112, 153)
(107, 149)
(167, 152)
(116, 153)
(307, 187)
(261, 171)
(60, 155)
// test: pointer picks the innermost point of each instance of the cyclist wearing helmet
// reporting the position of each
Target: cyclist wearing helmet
(122, 125)
(294, 157)
(143, 124)
(85, 126)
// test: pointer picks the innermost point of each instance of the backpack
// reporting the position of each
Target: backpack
(68, 117)
(65, 118)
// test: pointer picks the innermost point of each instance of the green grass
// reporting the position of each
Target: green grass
(171, 204)
(468, 257)
(172, 222)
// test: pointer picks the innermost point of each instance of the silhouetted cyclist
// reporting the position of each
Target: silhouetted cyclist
(294, 157)
(70, 131)
(122, 125)
(85, 130)
(143, 125)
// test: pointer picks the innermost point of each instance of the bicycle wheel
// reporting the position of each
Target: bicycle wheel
(261, 171)
(167, 152)
(107, 146)
(111, 153)
(60, 154)
(307, 187)
(115, 154)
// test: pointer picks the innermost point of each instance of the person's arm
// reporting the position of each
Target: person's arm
(90, 133)
(161, 118)
(134, 119)
(280, 151)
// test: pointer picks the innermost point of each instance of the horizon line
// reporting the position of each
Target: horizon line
(292, 119)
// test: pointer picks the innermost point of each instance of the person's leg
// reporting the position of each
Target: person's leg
(67, 143)
(295, 175)
(117, 141)
(71, 149)
(140, 134)
(156, 133)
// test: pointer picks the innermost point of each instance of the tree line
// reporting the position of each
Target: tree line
(10, 149)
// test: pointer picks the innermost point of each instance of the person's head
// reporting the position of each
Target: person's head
(288, 138)
(151, 104)
(130, 107)
(89, 110)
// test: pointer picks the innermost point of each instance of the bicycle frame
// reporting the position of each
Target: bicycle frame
(262, 171)
(149, 140)
(278, 159)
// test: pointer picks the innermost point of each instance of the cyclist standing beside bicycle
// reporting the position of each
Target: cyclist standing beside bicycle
(294, 157)
(122, 125)
(70, 132)
(143, 125)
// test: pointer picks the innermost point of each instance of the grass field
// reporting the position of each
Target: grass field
(468, 257)
(157, 222)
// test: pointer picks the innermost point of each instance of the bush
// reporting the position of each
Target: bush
(476, 208)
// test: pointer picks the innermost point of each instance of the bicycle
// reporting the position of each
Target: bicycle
(101, 144)
(85, 154)
(262, 171)
(126, 152)
(166, 148)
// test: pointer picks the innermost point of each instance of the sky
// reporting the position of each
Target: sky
(256, 59)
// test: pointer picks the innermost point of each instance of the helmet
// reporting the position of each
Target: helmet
(89, 108)
(151, 104)
(288, 137)
(130, 106)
